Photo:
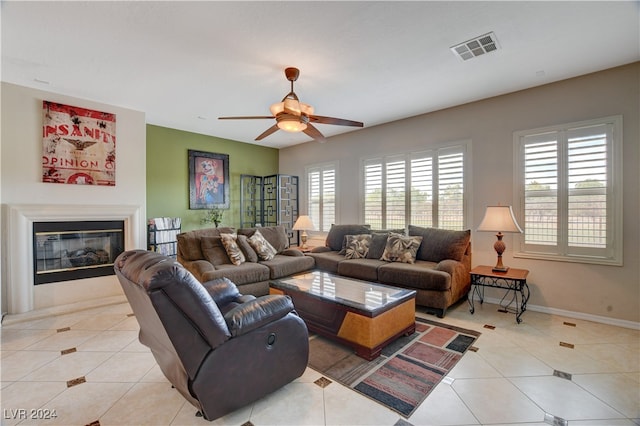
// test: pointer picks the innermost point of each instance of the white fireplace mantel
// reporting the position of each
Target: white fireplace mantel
(18, 246)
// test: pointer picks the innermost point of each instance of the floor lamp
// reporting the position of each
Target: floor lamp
(499, 219)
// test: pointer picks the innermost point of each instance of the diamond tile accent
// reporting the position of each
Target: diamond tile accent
(562, 374)
(554, 420)
(323, 382)
(68, 351)
(567, 345)
(76, 381)
(63, 329)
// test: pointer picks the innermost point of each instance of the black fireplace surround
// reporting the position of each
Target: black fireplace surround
(72, 250)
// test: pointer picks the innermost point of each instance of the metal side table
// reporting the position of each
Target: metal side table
(514, 280)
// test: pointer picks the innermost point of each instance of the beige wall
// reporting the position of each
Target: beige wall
(606, 293)
(21, 175)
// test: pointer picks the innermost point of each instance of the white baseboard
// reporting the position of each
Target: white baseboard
(576, 315)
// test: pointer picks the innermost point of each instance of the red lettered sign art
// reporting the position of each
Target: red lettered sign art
(78, 145)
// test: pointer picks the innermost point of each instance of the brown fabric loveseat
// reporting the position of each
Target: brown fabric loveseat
(433, 262)
(203, 253)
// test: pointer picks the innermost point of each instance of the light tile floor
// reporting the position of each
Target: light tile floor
(510, 379)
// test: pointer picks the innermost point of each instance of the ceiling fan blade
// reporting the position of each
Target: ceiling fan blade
(332, 120)
(249, 117)
(314, 133)
(267, 132)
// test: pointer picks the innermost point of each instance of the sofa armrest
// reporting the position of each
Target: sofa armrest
(256, 313)
(292, 252)
(320, 249)
(459, 272)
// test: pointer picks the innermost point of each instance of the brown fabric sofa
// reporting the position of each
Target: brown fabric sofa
(439, 273)
(203, 254)
(220, 349)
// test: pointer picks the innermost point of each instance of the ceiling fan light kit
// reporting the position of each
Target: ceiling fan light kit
(294, 116)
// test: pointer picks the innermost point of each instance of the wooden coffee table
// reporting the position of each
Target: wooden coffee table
(366, 316)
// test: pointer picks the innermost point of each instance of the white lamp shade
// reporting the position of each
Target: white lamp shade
(304, 223)
(499, 219)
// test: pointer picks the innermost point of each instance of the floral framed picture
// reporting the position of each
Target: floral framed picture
(208, 180)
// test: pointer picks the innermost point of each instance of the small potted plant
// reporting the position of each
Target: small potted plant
(213, 215)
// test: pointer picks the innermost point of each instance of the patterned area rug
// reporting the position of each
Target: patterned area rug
(406, 372)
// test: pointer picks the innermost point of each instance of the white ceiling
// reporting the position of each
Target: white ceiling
(186, 63)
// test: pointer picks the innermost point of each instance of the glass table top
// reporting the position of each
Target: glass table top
(355, 293)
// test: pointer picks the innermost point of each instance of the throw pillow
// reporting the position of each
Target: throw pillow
(264, 250)
(357, 246)
(249, 252)
(233, 251)
(401, 249)
(377, 245)
(213, 250)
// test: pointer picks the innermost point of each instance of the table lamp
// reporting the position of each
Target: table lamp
(499, 219)
(303, 224)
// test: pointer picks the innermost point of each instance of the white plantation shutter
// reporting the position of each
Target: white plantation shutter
(422, 191)
(451, 190)
(570, 191)
(373, 203)
(328, 199)
(399, 190)
(395, 193)
(321, 193)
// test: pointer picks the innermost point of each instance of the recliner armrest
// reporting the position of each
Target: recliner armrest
(222, 291)
(256, 313)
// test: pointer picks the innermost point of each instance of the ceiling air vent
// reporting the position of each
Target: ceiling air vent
(486, 43)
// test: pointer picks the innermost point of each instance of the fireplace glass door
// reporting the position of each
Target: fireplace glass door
(66, 251)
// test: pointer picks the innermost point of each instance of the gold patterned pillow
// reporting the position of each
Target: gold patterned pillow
(261, 246)
(233, 251)
(357, 246)
(401, 248)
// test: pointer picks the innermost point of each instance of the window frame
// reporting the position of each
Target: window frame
(463, 147)
(562, 251)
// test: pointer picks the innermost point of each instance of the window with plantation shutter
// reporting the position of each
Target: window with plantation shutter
(321, 193)
(569, 183)
(424, 188)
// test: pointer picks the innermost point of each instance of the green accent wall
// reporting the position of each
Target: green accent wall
(168, 172)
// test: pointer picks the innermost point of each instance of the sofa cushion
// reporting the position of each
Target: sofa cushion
(335, 237)
(377, 245)
(263, 248)
(441, 244)
(363, 269)
(401, 248)
(213, 250)
(249, 253)
(357, 246)
(242, 274)
(282, 265)
(420, 275)
(189, 247)
(231, 247)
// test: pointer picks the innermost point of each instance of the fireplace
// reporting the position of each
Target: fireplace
(22, 292)
(72, 250)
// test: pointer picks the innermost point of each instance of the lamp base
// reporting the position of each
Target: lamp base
(500, 269)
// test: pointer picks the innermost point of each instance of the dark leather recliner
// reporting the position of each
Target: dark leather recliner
(220, 350)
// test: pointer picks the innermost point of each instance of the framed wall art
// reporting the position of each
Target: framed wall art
(78, 145)
(208, 180)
